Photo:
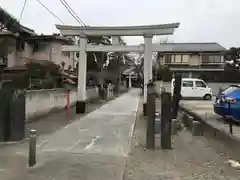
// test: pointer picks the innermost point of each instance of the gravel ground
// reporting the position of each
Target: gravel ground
(191, 158)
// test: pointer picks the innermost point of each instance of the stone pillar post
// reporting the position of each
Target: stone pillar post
(147, 66)
(82, 71)
(151, 112)
(148, 53)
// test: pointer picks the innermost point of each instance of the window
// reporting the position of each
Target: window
(3, 61)
(176, 58)
(187, 84)
(185, 58)
(179, 58)
(168, 59)
(66, 53)
(231, 89)
(211, 59)
(200, 84)
(40, 47)
(20, 45)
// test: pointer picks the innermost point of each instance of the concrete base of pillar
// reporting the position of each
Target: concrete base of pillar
(80, 107)
(144, 109)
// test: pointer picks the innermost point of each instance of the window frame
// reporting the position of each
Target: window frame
(40, 47)
(211, 58)
(181, 59)
(205, 86)
(20, 45)
(188, 81)
(168, 59)
(66, 54)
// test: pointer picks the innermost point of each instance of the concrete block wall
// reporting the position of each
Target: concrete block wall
(40, 102)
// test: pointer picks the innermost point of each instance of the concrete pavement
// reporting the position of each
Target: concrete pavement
(106, 130)
(94, 147)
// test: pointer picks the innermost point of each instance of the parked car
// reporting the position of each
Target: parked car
(227, 103)
(194, 88)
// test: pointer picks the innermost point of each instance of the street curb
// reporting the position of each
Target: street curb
(230, 141)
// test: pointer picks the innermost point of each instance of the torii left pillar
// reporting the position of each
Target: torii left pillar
(147, 68)
(82, 72)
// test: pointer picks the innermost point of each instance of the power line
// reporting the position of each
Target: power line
(71, 11)
(50, 11)
(23, 8)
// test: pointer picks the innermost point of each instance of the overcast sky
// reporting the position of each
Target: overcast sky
(200, 20)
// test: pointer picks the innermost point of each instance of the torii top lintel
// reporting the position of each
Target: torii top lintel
(162, 29)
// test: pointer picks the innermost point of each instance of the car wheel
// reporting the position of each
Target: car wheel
(207, 97)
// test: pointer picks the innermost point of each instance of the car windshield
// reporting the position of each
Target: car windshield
(231, 89)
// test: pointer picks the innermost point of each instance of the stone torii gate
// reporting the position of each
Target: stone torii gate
(147, 31)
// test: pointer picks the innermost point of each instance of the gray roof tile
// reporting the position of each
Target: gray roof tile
(192, 47)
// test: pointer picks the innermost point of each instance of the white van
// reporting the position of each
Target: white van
(194, 88)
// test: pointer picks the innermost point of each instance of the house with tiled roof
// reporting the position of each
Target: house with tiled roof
(20, 44)
(193, 59)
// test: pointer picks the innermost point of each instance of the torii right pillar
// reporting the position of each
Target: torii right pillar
(147, 68)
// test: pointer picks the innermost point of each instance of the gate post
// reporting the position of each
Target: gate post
(166, 120)
(17, 115)
(151, 110)
(176, 94)
(5, 99)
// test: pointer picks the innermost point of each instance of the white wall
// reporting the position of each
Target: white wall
(39, 102)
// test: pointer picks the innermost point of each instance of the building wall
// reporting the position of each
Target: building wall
(58, 56)
(25, 55)
(11, 50)
(12, 59)
(52, 52)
